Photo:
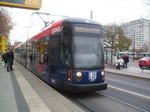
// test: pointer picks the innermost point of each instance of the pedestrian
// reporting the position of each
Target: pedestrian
(9, 58)
(31, 58)
(4, 56)
(126, 60)
(119, 63)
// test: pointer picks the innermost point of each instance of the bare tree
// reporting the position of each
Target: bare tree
(114, 35)
(145, 47)
(6, 23)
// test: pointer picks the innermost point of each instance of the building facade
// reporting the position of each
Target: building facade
(139, 32)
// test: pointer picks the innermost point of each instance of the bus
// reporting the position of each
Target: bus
(68, 54)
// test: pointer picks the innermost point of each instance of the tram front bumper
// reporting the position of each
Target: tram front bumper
(85, 87)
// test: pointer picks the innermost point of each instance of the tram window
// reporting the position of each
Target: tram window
(53, 50)
(45, 57)
(66, 34)
(66, 46)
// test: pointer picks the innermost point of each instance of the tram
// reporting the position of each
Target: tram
(68, 54)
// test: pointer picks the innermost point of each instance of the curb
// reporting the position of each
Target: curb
(148, 78)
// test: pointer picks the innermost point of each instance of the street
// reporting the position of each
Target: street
(124, 94)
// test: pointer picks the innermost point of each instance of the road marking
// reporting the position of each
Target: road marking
(133, 93)
(123, 102)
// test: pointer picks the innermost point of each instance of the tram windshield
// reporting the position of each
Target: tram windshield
(88, 50)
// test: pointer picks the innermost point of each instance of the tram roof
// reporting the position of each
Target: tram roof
(58, 23)
(80, 20)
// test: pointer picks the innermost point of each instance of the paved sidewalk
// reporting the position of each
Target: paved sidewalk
(132, 70)
(17, 94)
(7, 96)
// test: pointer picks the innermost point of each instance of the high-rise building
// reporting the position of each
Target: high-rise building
(139, 32)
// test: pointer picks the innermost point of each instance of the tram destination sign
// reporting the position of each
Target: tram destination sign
(26, 4)
(87, 29)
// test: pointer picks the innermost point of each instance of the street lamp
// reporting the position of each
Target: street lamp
(26, 44)
(117, 42)
(114, 45)
(133, 45)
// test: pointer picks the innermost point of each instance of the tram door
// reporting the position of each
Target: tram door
(53, 57)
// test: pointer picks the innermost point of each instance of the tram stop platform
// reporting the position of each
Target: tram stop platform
(21, 91)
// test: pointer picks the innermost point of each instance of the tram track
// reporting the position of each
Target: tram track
(84, 107)
(120, 96)
(130, 92)
(100, 99)
(124, 94)
(125, 103)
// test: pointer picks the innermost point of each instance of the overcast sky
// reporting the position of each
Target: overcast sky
(104, 11)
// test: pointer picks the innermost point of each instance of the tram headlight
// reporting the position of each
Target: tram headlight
(103, 75)
(79, 74)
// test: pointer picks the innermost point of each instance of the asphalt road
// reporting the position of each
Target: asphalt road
(124, 94)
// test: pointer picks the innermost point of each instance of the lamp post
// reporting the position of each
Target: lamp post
(133, 45)
(28, 36)
(26, 46)
(91, 14)
(114, 40)
(117, 42)
(112, 44)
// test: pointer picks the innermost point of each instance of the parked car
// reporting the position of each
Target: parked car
(144, 63)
